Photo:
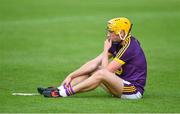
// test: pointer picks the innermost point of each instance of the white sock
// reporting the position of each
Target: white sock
(60, 87)
(62, 93)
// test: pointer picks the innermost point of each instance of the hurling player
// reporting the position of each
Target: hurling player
(120, 69)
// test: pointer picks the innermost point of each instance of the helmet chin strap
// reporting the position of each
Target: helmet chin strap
(122, 38)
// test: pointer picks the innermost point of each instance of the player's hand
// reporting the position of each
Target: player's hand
(67, 81)
(107, 44)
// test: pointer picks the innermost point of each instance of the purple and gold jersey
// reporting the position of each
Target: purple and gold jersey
(134, 68)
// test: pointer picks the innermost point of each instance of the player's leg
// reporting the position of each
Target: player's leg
(110, 80)
(79, 79)
(54, 92)
(74, 81)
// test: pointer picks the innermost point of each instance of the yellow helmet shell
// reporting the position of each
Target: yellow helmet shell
(118, 24)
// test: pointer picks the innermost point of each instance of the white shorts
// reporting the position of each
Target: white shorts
(130, 92)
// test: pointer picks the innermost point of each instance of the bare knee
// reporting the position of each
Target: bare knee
(103, 72)
(100, 74)
(96, 70)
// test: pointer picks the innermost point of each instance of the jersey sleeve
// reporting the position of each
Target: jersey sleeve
(125, 53)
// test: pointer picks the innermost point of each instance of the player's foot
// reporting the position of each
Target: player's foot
(51, 92)
(40, 90)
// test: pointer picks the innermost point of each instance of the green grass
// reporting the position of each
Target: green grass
(41, 41)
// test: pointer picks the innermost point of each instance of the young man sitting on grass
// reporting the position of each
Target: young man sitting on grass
(124, 76)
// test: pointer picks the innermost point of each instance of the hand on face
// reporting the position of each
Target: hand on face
(107, 44)
(113, 36)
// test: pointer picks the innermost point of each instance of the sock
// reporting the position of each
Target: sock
(61, 87)
(66, 91)
(70, 88)
(63, 93)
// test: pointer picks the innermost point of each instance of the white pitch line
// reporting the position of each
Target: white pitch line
(25, 94)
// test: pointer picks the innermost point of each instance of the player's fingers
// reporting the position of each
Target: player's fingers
(110, 41)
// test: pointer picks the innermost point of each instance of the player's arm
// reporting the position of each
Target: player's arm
(106, 55)
(115, 64)
(87, 68)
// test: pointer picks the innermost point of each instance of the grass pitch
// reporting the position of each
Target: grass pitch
(41, 41)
